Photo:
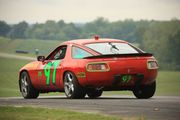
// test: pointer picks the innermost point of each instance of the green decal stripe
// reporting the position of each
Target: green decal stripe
(47, 71)
(55, 64)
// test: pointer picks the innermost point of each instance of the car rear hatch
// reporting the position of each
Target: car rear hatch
(123, 68)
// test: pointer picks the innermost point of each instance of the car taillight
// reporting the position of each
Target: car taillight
(152, 64)
(97, 67)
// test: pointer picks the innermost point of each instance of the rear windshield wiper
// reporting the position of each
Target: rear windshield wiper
(113, 46)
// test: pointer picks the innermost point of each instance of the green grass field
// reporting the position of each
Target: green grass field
(44, 46)
(9, 76)
(30, 113)
(167, 82)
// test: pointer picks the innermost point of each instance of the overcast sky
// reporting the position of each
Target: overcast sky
(14, 11)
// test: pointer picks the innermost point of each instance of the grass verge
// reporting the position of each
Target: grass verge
(30, 113)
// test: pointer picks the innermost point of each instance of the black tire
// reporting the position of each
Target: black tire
(94, 93)
(72, 88)
(26, 88)
(145, 92)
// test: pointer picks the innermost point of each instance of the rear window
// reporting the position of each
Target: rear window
(112, 48)
(78, 53)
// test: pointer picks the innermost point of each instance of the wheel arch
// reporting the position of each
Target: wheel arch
(33, 93)
(24, 70)
(73, 74)
(66, 72)
(79, 91)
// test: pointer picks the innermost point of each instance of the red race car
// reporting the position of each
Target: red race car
(90, 66)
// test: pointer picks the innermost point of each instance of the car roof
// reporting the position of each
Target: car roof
(93, 40)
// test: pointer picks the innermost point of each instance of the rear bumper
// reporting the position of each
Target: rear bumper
(136, 79)
(109, 79)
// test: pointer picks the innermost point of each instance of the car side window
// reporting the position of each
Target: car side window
(78, 53)
(58, 53)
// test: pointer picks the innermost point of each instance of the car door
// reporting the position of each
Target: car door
(49, 71)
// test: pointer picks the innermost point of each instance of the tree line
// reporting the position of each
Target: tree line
(162, 38)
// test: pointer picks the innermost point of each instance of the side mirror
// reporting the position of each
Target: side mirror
(41, 58)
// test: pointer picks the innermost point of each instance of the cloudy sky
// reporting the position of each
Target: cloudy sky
(14, 11)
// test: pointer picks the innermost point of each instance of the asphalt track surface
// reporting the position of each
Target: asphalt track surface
(156, 108)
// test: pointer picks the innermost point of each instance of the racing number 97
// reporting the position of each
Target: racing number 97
(47, 71)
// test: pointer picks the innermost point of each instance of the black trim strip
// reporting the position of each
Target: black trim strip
(121, 55)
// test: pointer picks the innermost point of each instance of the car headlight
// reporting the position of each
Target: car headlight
(152, 64)
(97, 67)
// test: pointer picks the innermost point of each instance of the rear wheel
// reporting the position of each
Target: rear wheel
(26, 88)
(145, 92)
(94, 93)
(72, 88)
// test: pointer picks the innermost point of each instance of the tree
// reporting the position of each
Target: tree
(98, 26)
(163, 39)
(4, 28)
(19, 30)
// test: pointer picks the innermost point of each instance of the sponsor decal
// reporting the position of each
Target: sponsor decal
(81, 74)
(39, 73)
